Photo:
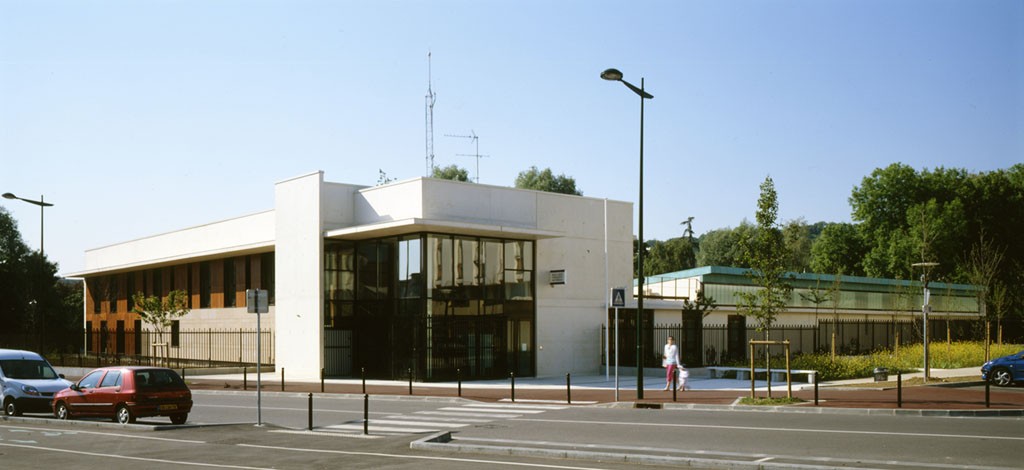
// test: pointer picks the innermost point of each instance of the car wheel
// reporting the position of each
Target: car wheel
(62, 411)
(1002, 377)
(10, 408)
(179, 419)
(124, 415)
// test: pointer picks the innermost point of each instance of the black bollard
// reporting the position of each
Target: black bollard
(321, 380)
(366, 414)
(362, 374)
(310, 411)
(568, 389)
(410, 381)
(458, 375)
(988, 386)
(899, 389)
(282, 379)
(816, 374)
(245, 378)
(512, 375)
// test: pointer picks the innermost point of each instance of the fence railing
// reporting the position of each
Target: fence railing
(189, 348)
(720, 344)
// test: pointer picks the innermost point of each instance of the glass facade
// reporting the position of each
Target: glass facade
(431, 305)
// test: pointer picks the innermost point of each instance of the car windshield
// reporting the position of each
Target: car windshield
(158, 378)
(28, 369)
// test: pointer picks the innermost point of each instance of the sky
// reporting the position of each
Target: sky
(136, 118)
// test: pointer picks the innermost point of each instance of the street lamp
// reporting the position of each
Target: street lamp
(925, 310)
(615, 75)
(42, 260)
(42, 205)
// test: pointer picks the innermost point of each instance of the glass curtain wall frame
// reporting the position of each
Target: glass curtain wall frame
(438, 305)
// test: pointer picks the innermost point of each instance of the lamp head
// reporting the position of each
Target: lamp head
(612, 74)
(9, 196)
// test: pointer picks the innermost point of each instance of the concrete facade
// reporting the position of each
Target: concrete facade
(589, 238)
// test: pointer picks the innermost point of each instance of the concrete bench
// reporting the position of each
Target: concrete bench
(743, 373)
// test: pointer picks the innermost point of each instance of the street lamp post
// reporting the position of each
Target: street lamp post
(615, 75)
(42, 205)
(41, 325)
(925, 310)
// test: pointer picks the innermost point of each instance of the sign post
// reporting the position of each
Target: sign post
(618, 300)
(258, 301)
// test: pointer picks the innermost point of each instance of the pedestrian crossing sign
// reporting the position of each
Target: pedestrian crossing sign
(618, 297)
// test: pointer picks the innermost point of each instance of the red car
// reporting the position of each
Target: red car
(126, 393)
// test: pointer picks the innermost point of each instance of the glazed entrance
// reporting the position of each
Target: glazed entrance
(436, 307)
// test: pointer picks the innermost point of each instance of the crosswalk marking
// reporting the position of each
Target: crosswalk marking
(443, 418)
(495, 410)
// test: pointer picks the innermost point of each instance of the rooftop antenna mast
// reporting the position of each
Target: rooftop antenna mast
(431, 98)
(476, 140)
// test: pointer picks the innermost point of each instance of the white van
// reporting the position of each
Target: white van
(27, 382)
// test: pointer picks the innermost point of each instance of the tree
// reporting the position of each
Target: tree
(766, 256)
(161, 312)
(672, 255)
(981, 265)
(796, 237)
(839, 248)
(546, 181)
(721, 247)
(451, 172)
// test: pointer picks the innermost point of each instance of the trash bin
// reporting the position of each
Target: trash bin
(881, 374)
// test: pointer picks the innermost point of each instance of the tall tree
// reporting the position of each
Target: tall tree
(546, 181)
(839, 248)
(675, 254)
(766, 255)
(796, 237)
(451, 172)
(981, 264)
(722, 247)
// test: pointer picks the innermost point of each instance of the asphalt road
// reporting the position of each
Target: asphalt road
(711, 439)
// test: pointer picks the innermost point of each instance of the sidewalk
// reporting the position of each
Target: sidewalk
(958, 398)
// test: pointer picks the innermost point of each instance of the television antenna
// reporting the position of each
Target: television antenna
(431, 98)
(476, 140)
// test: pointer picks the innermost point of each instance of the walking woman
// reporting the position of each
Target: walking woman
(670, 361)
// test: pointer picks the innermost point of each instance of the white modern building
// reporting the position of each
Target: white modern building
(434, 276)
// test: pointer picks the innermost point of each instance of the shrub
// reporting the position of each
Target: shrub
(942, 355)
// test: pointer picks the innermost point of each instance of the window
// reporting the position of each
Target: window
(94, 290)
(112, 379)
(267, 275)
(130, 291)
(91, 380)
(112, 285)
(204, 284)
(229, 282)
(175, 333)
(158, 283)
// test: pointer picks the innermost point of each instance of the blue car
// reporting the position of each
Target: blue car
(1005, 370)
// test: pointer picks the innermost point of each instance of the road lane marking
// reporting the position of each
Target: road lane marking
(515, 406)
(755, 428)
(492, 410)
(77, 431)
(144, 459)
(469, 415)
(429, 418)
(417, 457)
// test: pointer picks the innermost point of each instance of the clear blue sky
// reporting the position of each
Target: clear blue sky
(141, 117)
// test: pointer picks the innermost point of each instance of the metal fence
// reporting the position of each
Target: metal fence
(189, 348)
(720, 344)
